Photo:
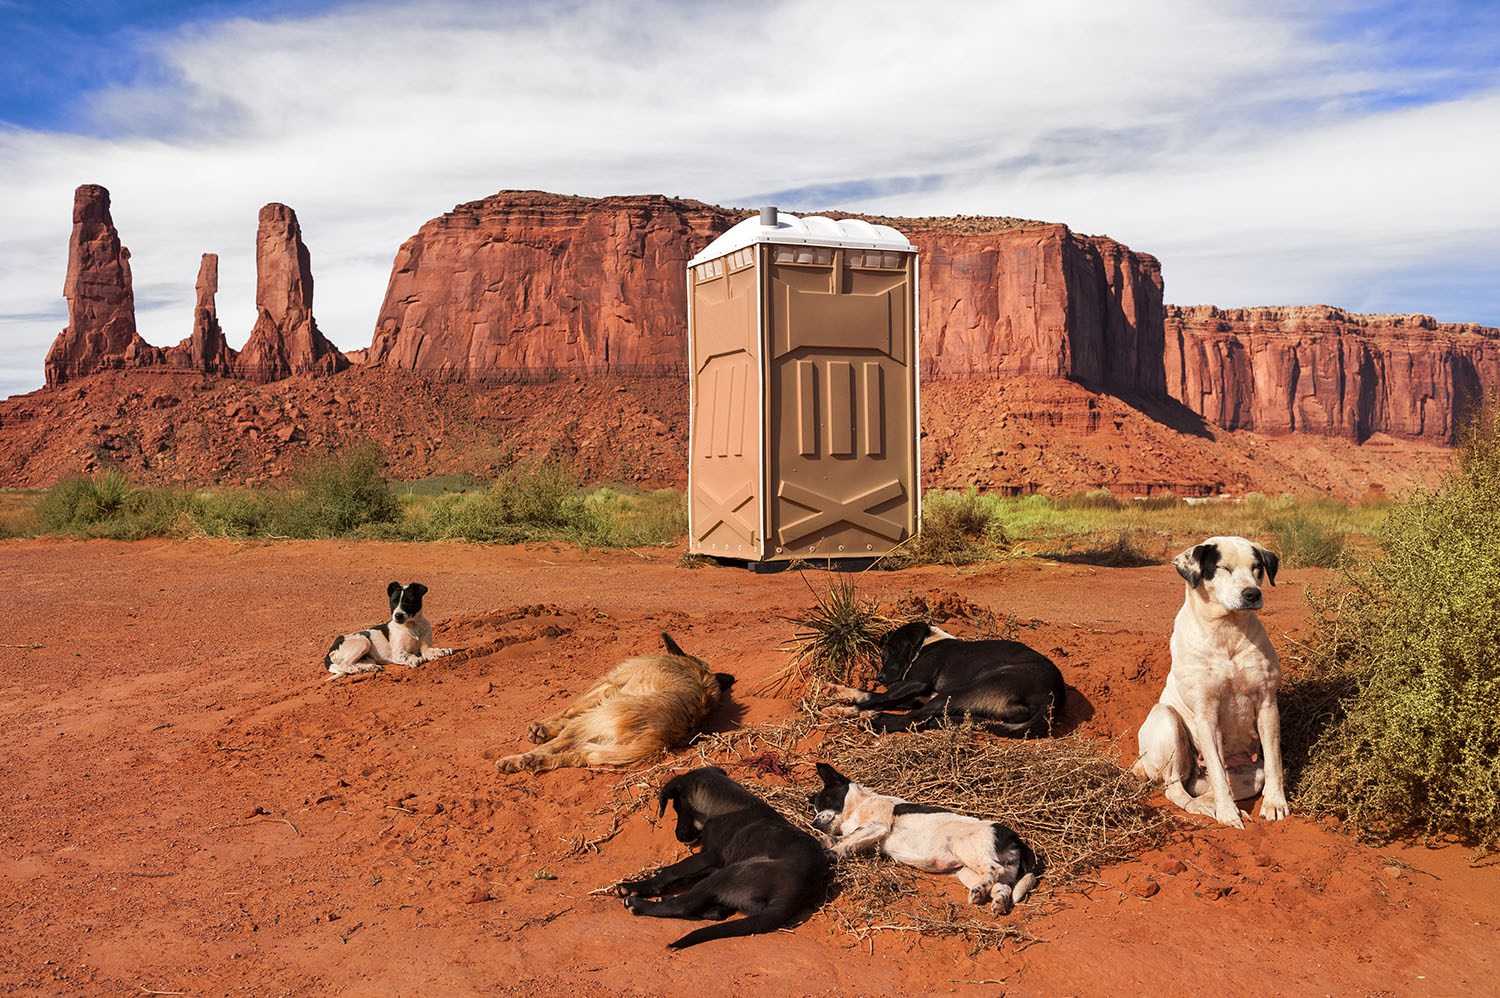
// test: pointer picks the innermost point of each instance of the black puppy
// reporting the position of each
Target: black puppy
(751, 860)
(1004, 685)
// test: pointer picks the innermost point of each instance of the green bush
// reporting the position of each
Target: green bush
(1314, 536)
(1411, 637)
(79, 502)
(539, 503)
(337, 495)
(654, 519)
(836, 640)
(958, 528)
(107, 505)
(237, 513)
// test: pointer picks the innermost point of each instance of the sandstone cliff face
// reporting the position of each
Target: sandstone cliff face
(531, 284)
(526, 283)
(286, 339)
(1039, 299)
(101, 332)
(1316, 369)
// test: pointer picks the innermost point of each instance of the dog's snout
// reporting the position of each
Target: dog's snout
(399, 616)
(1250, 595)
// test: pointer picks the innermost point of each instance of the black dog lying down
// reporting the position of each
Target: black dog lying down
(1004, 685)
(751, 860)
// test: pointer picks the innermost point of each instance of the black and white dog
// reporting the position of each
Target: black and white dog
(405, 639)
(1006, 686)
(751, 860)
(990, 859)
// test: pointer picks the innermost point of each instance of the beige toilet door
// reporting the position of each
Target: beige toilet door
(843, 419)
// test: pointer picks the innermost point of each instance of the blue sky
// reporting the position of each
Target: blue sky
(1267, 153)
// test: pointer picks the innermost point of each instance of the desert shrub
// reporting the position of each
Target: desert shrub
(1157, 503)
(82, 501)
(627, 520)
(1306, 539)
(107, 505)
(236, 513)
(1095, 499)
(523, 504)
(958, 528)
(834, 640)
(336, 495)
(1412, 636)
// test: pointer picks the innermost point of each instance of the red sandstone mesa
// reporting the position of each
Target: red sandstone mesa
(525, 282)
(1316, 369)
(531, 284)
(286, 339)
(101, 332)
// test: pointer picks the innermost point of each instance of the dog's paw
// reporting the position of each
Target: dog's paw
(1001, 899)
(839, 694)
(538, 732)
(635, 905)
(839, 710)
(511, 764)
(1273, 809)
(433, 653)
(354, 668)
(1231, 816)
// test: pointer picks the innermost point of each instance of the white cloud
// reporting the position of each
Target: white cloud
(1225, 140)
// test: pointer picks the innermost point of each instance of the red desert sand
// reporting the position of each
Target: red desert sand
(191, 809)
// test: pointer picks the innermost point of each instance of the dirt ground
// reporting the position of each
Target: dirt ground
(189, 808)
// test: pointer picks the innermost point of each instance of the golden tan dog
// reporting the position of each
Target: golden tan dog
(640, 708)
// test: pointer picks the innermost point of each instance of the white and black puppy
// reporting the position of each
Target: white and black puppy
(1215, 735)
(405, 639)
(750, 860)
(1009, 688)
(990, 859)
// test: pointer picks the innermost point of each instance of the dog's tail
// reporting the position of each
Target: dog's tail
(672, 648)
(773, 917)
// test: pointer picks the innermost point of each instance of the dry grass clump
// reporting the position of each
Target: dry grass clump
(1075, 807)
(1065, 797)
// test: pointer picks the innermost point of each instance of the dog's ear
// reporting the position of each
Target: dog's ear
(672, 648)
(391, 589)
(831, 777)
(1269, 562)
(1197, 563)
(899, 646)
(668, 793)
(418, 588)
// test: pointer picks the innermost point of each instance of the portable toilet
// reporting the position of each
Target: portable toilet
(802, 347)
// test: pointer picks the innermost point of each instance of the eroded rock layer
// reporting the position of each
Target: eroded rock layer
(1316, 369)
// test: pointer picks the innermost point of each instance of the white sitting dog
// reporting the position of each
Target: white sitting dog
(1215, 736)
(405, 639)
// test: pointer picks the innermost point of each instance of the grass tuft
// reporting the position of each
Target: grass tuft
(835, 640)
